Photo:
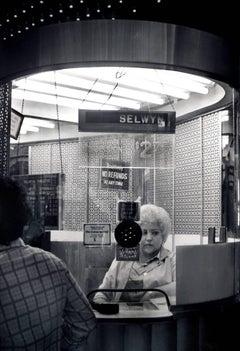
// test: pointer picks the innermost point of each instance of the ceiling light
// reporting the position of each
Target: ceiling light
(179, 80)
(129, 80)
(78, 94)
(106, 88)
(50, 99)
(37, 122)
(29, 128)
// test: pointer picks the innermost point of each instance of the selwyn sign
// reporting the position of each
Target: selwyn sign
(127, 121)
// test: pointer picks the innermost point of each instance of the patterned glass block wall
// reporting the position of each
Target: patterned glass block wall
(5, 112)
(198, 175)
(164, 173)
(188, 178)
(45, 158)
(212, 171)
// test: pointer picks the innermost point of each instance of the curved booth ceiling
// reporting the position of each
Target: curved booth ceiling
(60, 94)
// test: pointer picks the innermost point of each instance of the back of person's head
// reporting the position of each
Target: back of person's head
(155, 214)
(14, 210)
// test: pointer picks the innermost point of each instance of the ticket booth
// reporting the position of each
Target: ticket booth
(102, 129)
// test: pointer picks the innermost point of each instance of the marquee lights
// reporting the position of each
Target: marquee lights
(16, 14)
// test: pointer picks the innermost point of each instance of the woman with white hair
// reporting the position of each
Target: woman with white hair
(154, 270)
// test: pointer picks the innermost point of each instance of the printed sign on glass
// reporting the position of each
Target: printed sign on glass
(97, 234)
(114, 175)
(127, 253)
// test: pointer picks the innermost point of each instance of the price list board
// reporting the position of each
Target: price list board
(45, 196)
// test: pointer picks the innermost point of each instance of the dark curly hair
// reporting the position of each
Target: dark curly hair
(14, 210)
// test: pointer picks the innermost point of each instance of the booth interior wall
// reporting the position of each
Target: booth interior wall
(198, 167)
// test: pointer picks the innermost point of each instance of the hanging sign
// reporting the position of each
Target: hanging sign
(16, 123)
(127, 121)
(114, 175)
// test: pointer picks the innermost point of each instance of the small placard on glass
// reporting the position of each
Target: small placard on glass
(127, 253)
(97, 234)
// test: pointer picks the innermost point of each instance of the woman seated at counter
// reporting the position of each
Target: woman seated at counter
(155, 268)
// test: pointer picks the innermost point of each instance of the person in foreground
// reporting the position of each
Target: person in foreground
(41, 305)
(155, 269)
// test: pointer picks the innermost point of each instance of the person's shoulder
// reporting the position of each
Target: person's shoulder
(47, 256)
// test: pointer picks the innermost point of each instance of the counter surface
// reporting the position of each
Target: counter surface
(150, 311)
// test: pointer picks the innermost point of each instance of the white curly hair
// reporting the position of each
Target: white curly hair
(153, 213)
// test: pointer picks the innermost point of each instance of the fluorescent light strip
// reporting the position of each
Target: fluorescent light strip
(44, 98)
(175, 78)
(107, 85)
(157, 88)
(81, 95)
(166, 76)
(151, 87)
(128, 81)
(59, 79)
(28, 121)
(139, 95)
(35, 85)
(179, 80)
(27, 128)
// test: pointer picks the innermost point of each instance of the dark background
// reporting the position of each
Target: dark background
(218, 17)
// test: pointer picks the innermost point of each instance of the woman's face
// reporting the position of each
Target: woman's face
(152, 239)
